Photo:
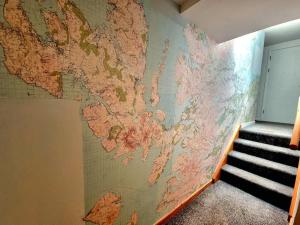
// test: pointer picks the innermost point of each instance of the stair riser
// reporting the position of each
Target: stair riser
(275, 198)
(272, 140)
(273, 156)
(275, 175)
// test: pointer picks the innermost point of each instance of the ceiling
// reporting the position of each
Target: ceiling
(224, 20)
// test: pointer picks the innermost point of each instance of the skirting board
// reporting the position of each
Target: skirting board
(182, 205)
(245, 124)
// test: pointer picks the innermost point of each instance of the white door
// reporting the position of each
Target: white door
(282, 87)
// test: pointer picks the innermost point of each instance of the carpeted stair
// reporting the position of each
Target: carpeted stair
(267, 138)
(263, 165)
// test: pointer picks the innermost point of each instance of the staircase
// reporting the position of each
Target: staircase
(262, 164)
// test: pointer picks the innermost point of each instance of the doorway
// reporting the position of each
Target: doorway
(280, 76)
(282, 88)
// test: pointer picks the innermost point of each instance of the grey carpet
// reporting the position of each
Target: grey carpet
(267, 132)
(277, 129)
(223, 204)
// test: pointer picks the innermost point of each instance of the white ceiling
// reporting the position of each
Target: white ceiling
(224, 20)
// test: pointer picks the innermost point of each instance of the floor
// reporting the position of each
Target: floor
(223, 204)
(279, 129)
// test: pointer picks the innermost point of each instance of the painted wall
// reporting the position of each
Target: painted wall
(288, 85)
(158, 98)
(41, 162)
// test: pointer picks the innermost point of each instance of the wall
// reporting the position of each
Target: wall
(158, 98)
(282, 33)
(41, 162)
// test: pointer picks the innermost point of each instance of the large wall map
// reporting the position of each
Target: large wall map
(157, 103)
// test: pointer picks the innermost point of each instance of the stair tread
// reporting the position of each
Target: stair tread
(261, 181)
(264, 162)
(266, 133)
(270, 128)
(268, 147)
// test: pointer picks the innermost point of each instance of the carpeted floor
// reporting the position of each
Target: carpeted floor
(271, 128)
(223, 204)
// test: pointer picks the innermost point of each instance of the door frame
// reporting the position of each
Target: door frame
(265, 71)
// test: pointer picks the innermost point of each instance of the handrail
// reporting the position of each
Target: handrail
(223, 161)
(294, 144)
(295, 194)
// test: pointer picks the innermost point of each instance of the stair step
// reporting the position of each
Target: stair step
(272, 170)
(264, 137)
(266, 151)
(273, 192)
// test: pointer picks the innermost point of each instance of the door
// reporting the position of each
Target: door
(282, 88)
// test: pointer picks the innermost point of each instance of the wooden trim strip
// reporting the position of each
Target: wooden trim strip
(188, 4)
(182, 205)
(217, 174)
(294, 144)
(293, 208)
